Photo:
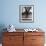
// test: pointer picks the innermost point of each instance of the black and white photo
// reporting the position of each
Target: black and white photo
(26, 13)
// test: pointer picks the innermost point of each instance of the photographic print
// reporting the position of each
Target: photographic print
(26, 13)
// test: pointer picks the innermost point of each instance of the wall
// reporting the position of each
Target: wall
(9, 13)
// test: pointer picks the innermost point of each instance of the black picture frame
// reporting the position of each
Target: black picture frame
(26, 13)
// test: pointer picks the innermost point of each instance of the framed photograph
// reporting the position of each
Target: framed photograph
(26, 13)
